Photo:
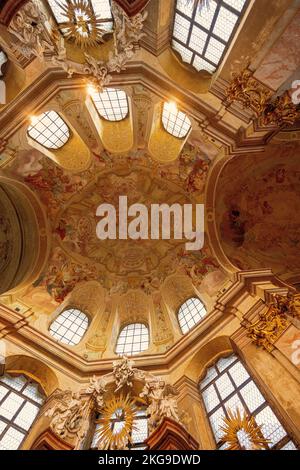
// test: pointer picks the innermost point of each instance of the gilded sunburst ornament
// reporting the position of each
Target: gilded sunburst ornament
(116, 423)
(82, 25)
(242, 433)
(200, 3)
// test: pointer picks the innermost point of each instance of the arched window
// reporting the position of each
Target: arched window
(20, 403)
(49, 130)
(228, 386)
(174, 121)
(139, 428)
(111, 104)
(202, 35)
(133, 339)
(190, 314)
(70, 327)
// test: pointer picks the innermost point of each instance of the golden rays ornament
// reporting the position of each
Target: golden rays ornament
(199, 3)
(242, 433)
(82, 25)
(116, 423)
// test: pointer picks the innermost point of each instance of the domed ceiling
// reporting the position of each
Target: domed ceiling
(71, 201)
(258, 210)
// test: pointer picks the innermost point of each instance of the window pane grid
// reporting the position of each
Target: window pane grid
(49, 130)
(228, 386)
(133, 339)
(69, 327)
(190, 314)
(175, 122)
(202, 37)
(111, 104)
(17, 410)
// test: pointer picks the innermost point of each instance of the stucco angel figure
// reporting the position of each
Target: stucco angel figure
(162, 402)
(97, 389)
(28, 26)
(124, 373)
(168, 404)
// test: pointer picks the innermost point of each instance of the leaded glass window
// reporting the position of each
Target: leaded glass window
(49, 130)
(190, 314)
(175, 122)
(202, 36)
(111, 104)
(228, 386)
(20, 403)
(133, 339)
(70, 327)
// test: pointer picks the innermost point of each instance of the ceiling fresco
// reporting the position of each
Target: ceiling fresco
(257, 210)
(71, 201)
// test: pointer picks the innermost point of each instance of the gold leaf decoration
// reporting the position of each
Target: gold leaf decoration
(116, 423)
(252, 94)
(273, 322)
(82, 25)
(242, 432)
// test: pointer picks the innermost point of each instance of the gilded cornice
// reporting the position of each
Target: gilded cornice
(53, 81)
(20, 332)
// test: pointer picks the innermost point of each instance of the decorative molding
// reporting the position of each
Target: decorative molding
(71, 413)
(248, 91)
(49, 441)
(275, 321)
(251, 94)
(132, 7)
(8, 8)
(170, 435)
(29, 28)
(33, 39)
(14, 324)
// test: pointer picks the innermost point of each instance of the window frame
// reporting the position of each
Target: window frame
(51, 149)
(10, 422)
(196, 324)
(237, 392)
(209, 32)
(106, 119)
(184, 137)
(122, 328)
(70, 309)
